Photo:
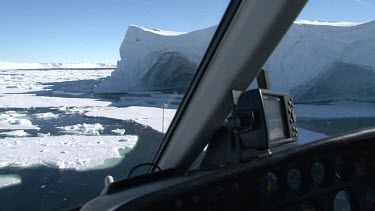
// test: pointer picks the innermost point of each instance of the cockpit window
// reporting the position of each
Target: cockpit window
(326, 63)
(88, 89)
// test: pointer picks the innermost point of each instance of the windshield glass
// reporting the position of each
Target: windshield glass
(326, 62)
(88, 89)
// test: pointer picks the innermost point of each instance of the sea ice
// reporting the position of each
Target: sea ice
(63, 152)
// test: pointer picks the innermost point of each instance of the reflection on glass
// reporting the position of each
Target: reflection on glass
(327, 67)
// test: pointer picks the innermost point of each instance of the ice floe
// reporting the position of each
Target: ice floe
(118, 131)
(12, 120)
(47, 115)
(83, 129)
(9, 180)
(148, 116)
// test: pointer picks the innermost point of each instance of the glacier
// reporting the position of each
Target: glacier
(316, 61)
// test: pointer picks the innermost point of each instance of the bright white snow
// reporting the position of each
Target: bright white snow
(143, 115)
(9, 180)
(63, 152)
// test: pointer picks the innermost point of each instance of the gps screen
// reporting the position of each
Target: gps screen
(274, 116)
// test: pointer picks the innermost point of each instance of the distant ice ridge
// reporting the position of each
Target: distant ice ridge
(24, 65)
(315, 61)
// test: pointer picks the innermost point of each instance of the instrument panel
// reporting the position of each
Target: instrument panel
(332, 174)
(327, 181)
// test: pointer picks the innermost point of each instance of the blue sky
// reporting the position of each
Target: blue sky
(92, 30)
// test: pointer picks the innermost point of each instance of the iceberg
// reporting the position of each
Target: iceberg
(315, 60)
(156, 60)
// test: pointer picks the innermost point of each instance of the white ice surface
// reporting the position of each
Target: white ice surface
(63, 152)
(9, 180)
(83, 129)
(342, 110)
(147, 116)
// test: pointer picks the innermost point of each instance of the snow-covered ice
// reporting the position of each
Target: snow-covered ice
(148, 116)
(63, 152)
(9, 180)
(83, 129)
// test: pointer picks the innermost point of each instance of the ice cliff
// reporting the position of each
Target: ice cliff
(315, 61)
